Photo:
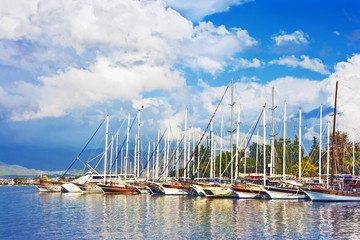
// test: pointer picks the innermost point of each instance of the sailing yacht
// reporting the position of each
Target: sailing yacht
(347, 192)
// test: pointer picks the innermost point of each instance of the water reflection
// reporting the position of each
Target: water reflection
(32, 215)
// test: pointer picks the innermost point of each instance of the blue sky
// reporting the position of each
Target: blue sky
(64, 65)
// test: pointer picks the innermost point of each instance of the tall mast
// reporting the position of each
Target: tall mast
(177, 154)
(237, 145)
(116, 153)
(284, 143)
(353, 153)
(148, 161)
(231, 130)
(157, 155)
(138, 144)
(221, 145)
(185, 142)
(198, 158)
(328, 154)
(135, 157)
(245, 155)
(111, 155)
(211, 151)
(153, 162)
(300, 175)
(333, 137)
(320, 143)
(257, 151)
(264, 147)
(106, 146)
(127, 148)
(272, 138)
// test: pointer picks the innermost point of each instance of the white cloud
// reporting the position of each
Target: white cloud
(298, 37)
(95, 61)
(244, 63)
(348, 75)
(314, 64)
(212, 48)
(80, 88)
(197, 10)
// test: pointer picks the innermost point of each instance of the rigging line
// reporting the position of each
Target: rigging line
(253, 127)
(84, 147)
(171, 157)
(154, 151)
(123, 143)
(202, 136)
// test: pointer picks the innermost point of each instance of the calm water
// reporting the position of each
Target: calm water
(28, 214)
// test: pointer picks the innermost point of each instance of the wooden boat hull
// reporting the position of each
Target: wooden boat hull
(326, 195)
(176, 189)
(114, 189)
(247, 192)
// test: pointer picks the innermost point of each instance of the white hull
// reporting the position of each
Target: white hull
(198, 190)
(325, 197)
(48, 188)
(279, 193)
(70, 188)
(89, 188)
(214, 191)
(245, 195)
(176, 191)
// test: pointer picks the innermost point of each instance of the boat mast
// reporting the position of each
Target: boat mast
(185, 143)
(237, 144)
(333, 138)
(127, 148)
(135, 157)
(320, 143)
(231, 131)
(353, 153)
(177, 153)
(157, 155)
(328, 154)
(198, 157)
(284, 143)
(106, 146)
(138, 144)
(272, 138)
(148, 161)
(257, 151)
(264, 147)
(221, 146)
(211, 151)
(300, 175)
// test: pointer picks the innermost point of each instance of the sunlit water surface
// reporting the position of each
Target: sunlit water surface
(27, 214)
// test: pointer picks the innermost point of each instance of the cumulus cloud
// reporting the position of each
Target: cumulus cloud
(306, 62)
(79, 88)
(293, 42)
(197, 10)
(297, 37)
(348, 75)
(84, 60)
(211, 48)
(244, 63)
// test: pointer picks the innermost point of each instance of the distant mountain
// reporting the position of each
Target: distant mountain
(44, 159)
(16, 170)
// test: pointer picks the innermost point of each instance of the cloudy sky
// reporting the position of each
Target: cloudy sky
(65, 64)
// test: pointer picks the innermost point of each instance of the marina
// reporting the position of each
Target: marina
(36, 215)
